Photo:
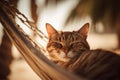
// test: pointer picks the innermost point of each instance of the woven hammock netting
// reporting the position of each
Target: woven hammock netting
(29, 49)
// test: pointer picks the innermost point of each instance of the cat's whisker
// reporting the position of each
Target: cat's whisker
(71, 54)
(62, 54)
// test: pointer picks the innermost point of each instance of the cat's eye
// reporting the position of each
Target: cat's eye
(56, 45)
(74, 45)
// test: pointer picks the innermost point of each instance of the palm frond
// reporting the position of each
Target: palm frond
(105, 11)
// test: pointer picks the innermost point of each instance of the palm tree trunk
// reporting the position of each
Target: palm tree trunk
(5, 57)
(118, 30)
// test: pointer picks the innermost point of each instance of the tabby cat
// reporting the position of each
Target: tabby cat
(71, 51)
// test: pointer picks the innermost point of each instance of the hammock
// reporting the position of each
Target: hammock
(32, 53)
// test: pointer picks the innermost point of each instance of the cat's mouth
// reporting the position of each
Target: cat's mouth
(58, 58)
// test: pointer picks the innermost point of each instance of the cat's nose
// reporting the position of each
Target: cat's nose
(66, 51)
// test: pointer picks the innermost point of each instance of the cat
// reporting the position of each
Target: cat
(71, 51)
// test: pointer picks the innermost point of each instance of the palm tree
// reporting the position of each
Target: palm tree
(5, 51)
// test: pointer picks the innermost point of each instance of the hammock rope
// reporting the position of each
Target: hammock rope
(32, 53)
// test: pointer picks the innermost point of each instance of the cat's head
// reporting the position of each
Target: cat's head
(64, 46)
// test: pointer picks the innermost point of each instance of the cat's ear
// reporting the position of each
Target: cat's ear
(50, 30)
(84, 30)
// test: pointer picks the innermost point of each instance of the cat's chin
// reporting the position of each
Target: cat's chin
(60, 59)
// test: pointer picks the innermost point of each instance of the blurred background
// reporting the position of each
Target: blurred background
(67, 15)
